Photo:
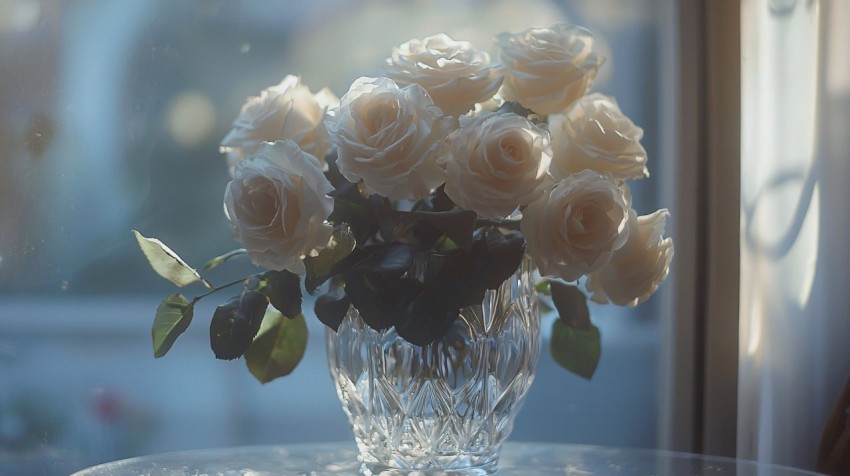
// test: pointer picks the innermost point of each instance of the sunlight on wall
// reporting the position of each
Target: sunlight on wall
(756, 315)
(779, 223)
(806, 254)
(794, 223)
(838, 77)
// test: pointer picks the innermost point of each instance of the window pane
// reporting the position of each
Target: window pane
(111, 115)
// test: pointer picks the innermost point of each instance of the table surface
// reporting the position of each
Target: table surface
(516, 459)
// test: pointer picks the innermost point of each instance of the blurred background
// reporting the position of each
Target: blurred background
(111, 114)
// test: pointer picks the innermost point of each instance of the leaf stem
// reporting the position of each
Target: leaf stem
(216, 289)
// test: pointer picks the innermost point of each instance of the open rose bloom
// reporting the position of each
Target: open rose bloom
(287, 110)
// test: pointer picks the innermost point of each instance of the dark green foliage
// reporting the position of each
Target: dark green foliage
(235, 323)
(283, 289)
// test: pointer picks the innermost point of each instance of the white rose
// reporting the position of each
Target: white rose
(455, 75)
(596, 135)
(277, 204)
(389, 137)
(495, 163)
(548, 69)
(285, 111)
(575, 227)
(636, 269)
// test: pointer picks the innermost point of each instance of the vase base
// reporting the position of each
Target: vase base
(371, 469)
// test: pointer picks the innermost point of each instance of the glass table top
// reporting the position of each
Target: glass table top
(517, 459)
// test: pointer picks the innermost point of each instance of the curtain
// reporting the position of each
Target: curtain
(794, 345)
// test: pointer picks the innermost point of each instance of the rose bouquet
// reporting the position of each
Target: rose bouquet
(450, 159)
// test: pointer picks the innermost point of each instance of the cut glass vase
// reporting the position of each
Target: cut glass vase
(447, 407)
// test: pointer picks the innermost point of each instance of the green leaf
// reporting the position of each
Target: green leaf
(173, 317)
(333, 174)
(543, 287)
(393, 259)
(235, 323)
(438, 201)
(387, 217)
(278, 347)
(458, 280)
(575, 340)
(166, 262)
(320, 268)
(571, 304)
(221, 259)
(381, 300)
(456, 224)
(466, 274)
(350, 206)
(352, 212)
(504, 255)
(332, 306)
(445, 244)
(283, 288)
(427, 318)
(358, 216)
(576, 350)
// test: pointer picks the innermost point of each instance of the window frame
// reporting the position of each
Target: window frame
(700, 364)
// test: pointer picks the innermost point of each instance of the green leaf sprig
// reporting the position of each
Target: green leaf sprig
(272, 341)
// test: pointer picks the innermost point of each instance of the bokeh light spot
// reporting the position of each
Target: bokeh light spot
(190, 118)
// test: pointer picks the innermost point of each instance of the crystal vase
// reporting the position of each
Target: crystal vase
(443, 408)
